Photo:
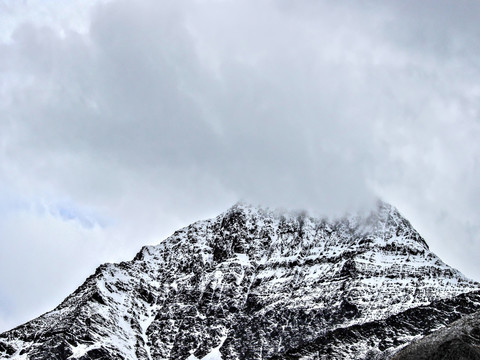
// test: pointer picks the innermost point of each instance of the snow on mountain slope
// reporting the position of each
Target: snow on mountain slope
(252, 283)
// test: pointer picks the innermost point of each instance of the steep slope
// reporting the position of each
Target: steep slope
(256, 284)
(381, 339)
(459, 340)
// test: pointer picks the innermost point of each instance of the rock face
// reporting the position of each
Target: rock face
(458, 341)
(258, 284)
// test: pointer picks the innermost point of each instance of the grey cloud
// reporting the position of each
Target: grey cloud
(133, 94)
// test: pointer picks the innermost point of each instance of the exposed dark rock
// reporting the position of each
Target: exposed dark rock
(459, 340)
(6, 349)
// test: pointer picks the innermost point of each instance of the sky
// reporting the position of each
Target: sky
(122, 121)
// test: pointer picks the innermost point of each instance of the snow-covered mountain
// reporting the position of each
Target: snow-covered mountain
(254, 283)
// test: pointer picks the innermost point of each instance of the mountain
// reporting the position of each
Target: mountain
(255, 283)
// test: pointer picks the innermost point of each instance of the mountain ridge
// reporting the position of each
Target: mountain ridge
(252, 283)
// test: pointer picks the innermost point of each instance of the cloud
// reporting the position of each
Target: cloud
(153, 114)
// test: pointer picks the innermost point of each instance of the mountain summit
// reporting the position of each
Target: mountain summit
(254, 283)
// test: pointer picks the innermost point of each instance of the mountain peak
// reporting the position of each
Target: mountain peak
(252, 283)
(384, 221)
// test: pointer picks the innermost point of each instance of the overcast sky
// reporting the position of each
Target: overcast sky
(121, 121)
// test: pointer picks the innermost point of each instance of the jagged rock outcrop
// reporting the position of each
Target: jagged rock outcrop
(258, 284)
